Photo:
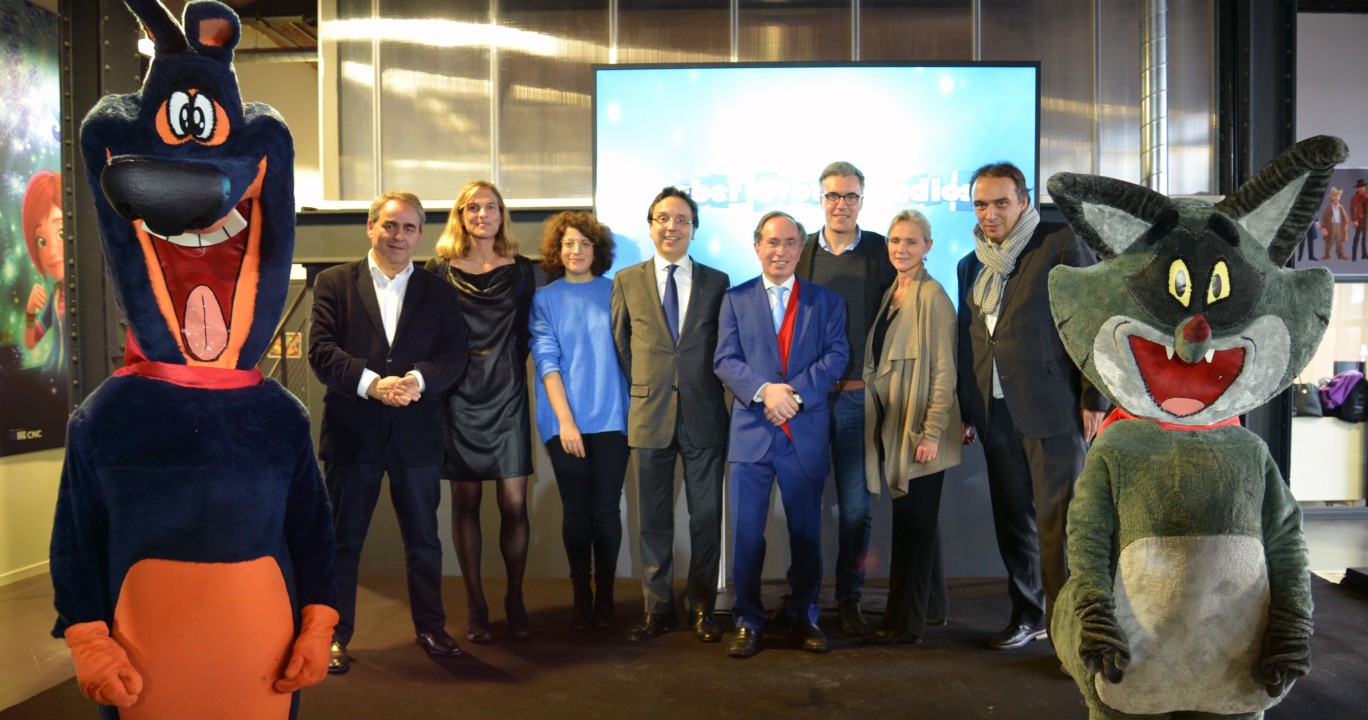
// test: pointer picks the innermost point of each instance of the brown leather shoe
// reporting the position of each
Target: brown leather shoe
(338, 659)
(437, 642)
(705, 627)
(652, 625)
(745, 644)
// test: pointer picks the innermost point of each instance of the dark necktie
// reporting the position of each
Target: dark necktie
(671, 304)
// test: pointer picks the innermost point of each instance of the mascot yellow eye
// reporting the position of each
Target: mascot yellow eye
(1220, 283)
(1180, 282)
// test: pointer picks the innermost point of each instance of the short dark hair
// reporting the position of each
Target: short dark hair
(760, 226)
(673, 192)
(1002, 169)
(841, 168)
(553, 232)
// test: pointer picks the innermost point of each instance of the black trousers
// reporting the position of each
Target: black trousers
(415, 491)
(1030, 482)
(916, 575)
(591, 494)
(655, 472)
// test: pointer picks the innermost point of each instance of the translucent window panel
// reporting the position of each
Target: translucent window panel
(546, 88)
(1118, 94)
(895, 31)
(435, 132)
(355, 100)
(1192, 96)
(794, 31)
(1060, 36)
(672, 31)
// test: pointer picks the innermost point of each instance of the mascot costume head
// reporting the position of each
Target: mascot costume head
(192, 556)
(1189, 590)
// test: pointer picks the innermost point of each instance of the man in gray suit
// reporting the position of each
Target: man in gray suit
(1019, 388)
(665, 327)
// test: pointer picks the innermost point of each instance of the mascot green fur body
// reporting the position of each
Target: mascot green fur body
(1188, 594)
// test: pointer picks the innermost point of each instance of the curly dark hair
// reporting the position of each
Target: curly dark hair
(554, 231)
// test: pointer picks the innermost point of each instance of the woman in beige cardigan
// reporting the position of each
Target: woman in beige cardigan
(911, 427)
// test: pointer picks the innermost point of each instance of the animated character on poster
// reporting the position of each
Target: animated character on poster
(42, 218)
(1189, 590)
(192, 551)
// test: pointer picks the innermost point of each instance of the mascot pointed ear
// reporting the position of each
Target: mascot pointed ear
(1278, 204)
(1110, 215)
(160, 25)
(212, 28)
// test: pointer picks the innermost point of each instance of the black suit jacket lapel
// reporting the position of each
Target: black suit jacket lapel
(365, 288)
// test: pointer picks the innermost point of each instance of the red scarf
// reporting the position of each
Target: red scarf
(211, 378)
(1119, 414)
(786, 339)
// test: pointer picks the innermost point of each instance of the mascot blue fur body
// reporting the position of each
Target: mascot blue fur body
(192, 552)
(1189, 594)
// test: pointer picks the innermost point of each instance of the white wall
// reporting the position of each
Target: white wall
(1331, 59)
(28, 498)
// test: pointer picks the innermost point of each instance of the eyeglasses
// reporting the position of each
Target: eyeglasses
(577, 243)
(773, 245)
(849, 198)
(664, 220)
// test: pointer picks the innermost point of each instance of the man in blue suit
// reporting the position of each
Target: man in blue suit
(781, 345)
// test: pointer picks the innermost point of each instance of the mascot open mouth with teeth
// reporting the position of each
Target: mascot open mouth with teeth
(1189, 594)
(192, 552)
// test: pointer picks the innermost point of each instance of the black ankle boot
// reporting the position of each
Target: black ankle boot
(582, 616)
(605, 613)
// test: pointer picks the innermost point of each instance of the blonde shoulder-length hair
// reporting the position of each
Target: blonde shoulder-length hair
(455, 240)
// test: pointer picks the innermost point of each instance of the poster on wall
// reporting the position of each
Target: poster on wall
(1338, 239)
(33, 339)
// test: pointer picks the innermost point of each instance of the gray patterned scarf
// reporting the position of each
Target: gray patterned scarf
(999, 260)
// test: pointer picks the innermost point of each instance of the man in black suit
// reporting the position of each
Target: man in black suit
(854, 264)
(1019, 388)
(386, 340)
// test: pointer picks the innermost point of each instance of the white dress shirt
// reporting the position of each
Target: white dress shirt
(683, 284)
(389, 294)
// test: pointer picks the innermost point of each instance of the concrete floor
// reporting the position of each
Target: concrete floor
(34, 661)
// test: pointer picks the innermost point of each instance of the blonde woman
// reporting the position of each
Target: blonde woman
(912, 431)
(487, 422)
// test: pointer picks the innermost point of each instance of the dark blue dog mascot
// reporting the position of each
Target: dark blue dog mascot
(192, 552)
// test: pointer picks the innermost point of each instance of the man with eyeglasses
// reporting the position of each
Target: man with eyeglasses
(1019, 388)
(852, 263)
(665, 327)
(781, 345)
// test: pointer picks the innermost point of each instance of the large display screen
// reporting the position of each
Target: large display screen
(746, 139)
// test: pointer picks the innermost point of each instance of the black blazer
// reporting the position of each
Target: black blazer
(347, 335)
(1044, 390)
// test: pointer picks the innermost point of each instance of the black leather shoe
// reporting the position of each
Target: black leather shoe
(853, 622)
(814, 640)
(477, 625)
(705, 627)
(437, 642)
(652, 625)
(1014, 636)
(891, 637)
(338, 659)
(745, 644)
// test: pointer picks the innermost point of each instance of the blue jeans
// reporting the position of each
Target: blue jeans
(852, 497)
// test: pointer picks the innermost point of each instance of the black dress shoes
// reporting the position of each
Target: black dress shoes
(705, 627)
(814, 640)
(745, 644)
(477, 625)
(1016, 635)
(853, 622)
(891, 637)
(437, 642)
(652, 625)
(338, 659)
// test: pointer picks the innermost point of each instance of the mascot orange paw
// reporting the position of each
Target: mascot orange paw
(103, 671)
(309, 659)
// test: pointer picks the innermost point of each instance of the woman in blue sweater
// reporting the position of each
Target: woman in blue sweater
(582, 404)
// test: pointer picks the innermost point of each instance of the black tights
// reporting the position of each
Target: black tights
(513, 535)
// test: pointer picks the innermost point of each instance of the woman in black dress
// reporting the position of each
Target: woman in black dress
(487, 425)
